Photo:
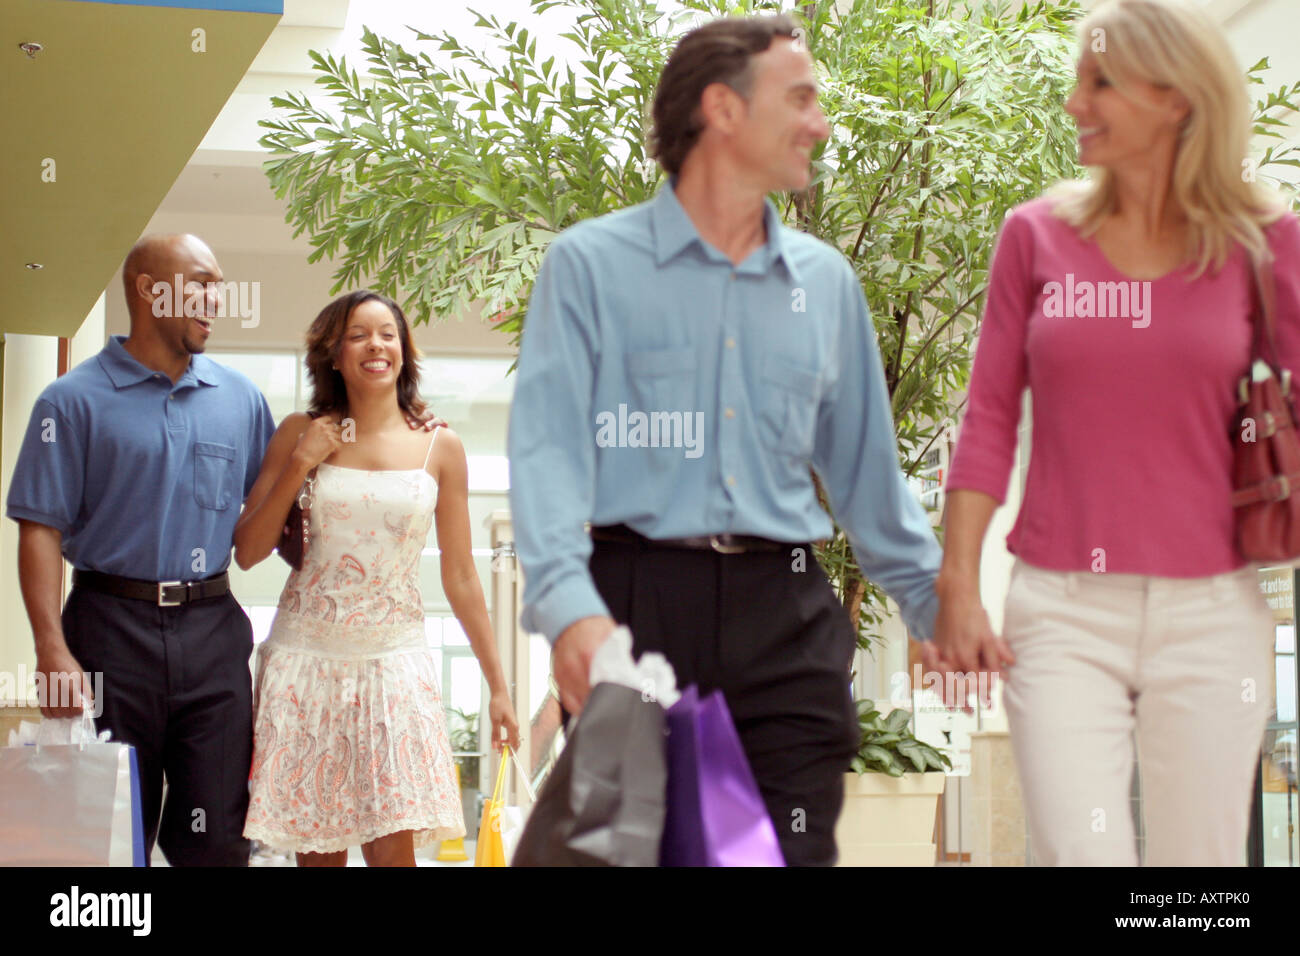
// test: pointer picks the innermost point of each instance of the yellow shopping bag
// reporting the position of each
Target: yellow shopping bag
(490, 850)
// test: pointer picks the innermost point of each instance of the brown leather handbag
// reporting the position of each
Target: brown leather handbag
(1266, 472)
(293, 537)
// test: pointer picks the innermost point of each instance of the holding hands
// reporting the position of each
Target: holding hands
(964, 650)
(964, 645)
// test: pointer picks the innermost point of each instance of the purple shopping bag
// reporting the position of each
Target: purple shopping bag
(715, 816)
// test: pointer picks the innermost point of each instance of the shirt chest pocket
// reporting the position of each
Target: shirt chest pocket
(214, 475)
(787, 406)
(663, 380)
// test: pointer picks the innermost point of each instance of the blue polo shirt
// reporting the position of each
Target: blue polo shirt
(142, 477)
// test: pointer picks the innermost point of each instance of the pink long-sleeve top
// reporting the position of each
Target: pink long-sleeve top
(1133, 387)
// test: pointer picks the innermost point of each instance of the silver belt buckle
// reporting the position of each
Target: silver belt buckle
(721, 548)
(162, 585)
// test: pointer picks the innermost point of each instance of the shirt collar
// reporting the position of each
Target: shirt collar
(674, 231)
(204, 369)
(123, 369)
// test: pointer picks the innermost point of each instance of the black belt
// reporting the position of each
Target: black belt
(722, 543)
(161, 593)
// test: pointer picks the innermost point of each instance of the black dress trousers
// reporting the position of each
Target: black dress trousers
(767, 629)
(176, 686)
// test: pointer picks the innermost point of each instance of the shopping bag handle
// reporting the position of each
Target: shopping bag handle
(501, 775)
(523, 778)
(524, 782)
(70, 725)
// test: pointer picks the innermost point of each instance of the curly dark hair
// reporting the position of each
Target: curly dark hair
(718, 52)
(325, 341)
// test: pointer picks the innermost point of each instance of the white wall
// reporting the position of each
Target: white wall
(30, 363)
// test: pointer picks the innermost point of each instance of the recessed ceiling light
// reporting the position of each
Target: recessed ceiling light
(35, 265)
(31, 48)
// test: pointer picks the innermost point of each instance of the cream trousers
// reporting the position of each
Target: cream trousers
(1181, 667)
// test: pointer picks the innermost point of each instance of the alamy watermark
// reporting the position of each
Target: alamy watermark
(127, 910)
(651, 430)
(1098, 300)
(953, 687)
(55, 692)
(233, 299)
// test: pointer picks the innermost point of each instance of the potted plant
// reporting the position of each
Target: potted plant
(891, 794)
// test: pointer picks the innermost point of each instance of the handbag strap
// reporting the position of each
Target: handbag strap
(307, 492)
(1276, 488)
(1263, 314)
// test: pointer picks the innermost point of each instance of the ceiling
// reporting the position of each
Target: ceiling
(101, 122)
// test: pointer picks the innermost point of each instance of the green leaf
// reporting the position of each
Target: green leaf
(913, 752)
(897, 720)
(878, 754)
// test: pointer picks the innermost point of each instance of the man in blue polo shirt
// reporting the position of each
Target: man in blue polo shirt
(134, 467)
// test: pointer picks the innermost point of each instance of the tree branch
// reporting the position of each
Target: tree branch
(952, 317)
(921, 457)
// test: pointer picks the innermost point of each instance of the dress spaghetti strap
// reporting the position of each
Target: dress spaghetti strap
(430, 451)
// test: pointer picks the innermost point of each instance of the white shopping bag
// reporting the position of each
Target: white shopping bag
(69, 798)
(512, 826)
(513, 818)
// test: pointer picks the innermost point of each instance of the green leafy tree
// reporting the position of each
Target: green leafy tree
(442, 174)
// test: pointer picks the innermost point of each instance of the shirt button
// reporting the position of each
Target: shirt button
(731, 480)
(731, 343)
(730, 413)
(170, 397)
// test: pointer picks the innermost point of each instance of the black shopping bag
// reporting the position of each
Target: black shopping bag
(603, 804)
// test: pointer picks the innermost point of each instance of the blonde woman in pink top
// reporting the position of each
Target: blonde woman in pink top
(1123, 304)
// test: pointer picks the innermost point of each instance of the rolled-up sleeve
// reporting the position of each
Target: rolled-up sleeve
(856, 456)
(552, 446)
(49, 475)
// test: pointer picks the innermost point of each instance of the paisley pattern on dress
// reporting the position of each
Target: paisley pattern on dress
(350, 742)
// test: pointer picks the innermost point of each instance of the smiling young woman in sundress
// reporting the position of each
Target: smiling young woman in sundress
(350, 744)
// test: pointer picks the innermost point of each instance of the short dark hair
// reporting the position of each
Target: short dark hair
(718, 52)
(325, 341)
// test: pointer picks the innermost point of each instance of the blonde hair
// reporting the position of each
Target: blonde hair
(1168, 43)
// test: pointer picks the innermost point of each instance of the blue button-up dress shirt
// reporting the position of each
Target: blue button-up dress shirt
(663, 387)
(142, 477)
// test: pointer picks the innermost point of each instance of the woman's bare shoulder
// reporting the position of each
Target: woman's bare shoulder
(448, 453)
(294, 424)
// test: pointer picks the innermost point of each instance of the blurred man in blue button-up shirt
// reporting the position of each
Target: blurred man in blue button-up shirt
(684, 363)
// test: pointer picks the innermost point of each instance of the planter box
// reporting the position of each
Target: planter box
(888, 821)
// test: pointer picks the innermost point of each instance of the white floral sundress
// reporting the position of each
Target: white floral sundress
(350, 742)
